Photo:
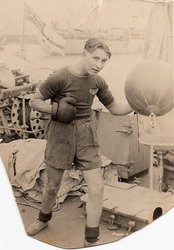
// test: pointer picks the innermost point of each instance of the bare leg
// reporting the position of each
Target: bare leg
(52, 185)
(94, 203)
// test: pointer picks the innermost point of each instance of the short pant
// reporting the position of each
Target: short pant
(72, 144)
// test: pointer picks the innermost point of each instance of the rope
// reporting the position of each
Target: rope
(156, 1)
(167, 105)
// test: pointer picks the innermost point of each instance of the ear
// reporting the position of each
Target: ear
(84, 53)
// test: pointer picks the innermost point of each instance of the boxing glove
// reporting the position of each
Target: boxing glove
(64, 111)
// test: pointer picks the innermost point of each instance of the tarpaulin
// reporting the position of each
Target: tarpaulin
(24, 163)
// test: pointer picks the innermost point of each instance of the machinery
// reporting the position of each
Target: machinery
(17, 118)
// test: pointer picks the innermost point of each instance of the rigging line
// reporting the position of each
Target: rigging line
(170, 103)
(155, 1)
(89, 13)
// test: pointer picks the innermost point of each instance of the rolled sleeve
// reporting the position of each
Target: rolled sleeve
(104, 94)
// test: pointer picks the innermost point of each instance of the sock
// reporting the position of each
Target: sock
(91, 234)
(45, 217)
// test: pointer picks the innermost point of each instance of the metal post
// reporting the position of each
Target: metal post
(151, 167)
(161, 167)
(24, 125)
(23, 33)
(152, 127)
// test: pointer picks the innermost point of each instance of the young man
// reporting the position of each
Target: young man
(71, 133)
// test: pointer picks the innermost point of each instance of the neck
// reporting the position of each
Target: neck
(79, 69)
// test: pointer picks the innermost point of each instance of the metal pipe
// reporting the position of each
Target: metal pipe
(21, 130)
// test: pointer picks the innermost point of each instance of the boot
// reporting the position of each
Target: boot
(36, 227)
(91, 244)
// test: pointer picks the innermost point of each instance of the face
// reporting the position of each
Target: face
(94, 62)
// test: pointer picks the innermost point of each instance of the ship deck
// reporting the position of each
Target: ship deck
(66, 229)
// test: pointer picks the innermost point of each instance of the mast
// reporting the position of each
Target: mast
(94, 17)
(23, 33)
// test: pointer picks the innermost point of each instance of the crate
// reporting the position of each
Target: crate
(130, 203)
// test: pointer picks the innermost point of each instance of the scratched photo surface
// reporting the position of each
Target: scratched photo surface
(137, 149)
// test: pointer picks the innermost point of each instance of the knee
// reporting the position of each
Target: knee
(96, 191)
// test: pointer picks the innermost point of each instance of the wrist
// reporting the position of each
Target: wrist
(54, 110)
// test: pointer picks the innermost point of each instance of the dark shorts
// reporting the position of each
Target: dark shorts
(72, 143)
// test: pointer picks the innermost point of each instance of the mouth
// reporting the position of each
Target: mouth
(95, 70)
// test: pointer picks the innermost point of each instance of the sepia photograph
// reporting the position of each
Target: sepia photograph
(86, 119)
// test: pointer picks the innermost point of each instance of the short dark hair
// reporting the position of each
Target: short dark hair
(94, 43)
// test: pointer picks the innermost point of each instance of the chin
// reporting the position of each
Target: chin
(92, 73)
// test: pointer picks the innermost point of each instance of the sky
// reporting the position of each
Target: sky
(71, 13)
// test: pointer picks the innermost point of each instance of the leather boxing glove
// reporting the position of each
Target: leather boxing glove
(64, 111)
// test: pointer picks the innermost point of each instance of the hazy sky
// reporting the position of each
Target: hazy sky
(70, 13)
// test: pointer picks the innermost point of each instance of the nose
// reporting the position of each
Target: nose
(99, 64)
